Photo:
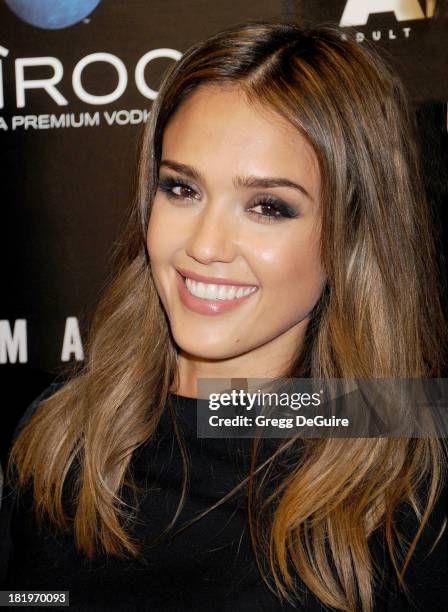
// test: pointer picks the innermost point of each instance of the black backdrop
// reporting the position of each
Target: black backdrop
(66, 184)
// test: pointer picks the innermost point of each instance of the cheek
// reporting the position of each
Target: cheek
(294, 271)
(158, 240)
(153, 246)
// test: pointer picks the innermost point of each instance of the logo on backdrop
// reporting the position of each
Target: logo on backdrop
(14, 342)
(357, 12)
(59, 14)
(52, 14)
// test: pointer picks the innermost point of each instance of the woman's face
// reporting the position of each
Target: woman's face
(238, 203)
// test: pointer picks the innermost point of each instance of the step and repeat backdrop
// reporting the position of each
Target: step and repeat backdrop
(77, 80)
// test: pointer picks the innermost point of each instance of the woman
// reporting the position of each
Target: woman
(282, 162)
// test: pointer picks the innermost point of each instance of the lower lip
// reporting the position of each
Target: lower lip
(204, 306)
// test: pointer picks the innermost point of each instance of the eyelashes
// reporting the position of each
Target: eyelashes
(166, 185)
(277, 209)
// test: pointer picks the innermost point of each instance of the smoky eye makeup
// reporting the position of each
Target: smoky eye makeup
(270, 208)
(168, 183)
(274, 208)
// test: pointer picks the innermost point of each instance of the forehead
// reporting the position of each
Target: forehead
(216, 128)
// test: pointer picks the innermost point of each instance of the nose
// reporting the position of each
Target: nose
(213, 236)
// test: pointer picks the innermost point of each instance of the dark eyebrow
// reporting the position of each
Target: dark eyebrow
(238, 181)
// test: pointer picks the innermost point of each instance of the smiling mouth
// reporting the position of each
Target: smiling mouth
(210, 291)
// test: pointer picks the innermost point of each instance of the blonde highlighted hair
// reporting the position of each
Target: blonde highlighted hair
(379, 316)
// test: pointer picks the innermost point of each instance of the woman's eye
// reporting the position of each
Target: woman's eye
(273, 210)
(176, 188)
(269, 209)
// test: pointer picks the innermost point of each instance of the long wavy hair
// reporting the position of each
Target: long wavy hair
(380, 316)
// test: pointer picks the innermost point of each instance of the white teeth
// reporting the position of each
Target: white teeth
(210, 291)
(222, 292)
(216, 292)
(231, 291)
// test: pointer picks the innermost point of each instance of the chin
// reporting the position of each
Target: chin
(205, 350)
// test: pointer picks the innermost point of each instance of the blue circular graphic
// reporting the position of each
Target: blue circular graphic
(52, 14)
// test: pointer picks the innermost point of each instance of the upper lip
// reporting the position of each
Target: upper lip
(212, 279)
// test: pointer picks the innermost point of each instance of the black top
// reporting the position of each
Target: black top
(209, 566)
